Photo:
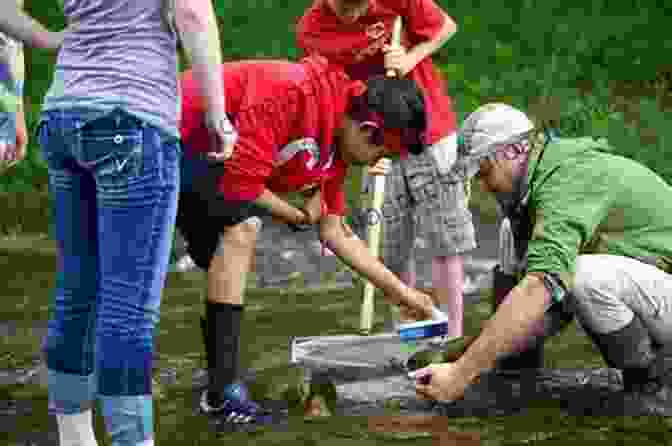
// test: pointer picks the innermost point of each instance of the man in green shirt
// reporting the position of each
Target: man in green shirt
(592, 237)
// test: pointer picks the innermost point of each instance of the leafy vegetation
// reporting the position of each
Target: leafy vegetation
(599, 69)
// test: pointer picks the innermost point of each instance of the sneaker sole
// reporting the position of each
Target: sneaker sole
(278, 416)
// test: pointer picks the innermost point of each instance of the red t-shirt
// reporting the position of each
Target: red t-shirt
(285, 114)
(358, 47)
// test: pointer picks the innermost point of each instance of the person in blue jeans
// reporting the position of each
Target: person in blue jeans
(109, 134)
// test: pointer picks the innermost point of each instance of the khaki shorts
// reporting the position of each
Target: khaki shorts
(608, 290)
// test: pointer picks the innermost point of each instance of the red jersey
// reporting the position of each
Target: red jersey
(285, 114)
(358, 48)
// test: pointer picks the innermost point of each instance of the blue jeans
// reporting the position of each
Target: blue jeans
(114, 181)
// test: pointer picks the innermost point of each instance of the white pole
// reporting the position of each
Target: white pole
(376, 204)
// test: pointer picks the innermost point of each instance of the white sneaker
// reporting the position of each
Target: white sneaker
(185, 264)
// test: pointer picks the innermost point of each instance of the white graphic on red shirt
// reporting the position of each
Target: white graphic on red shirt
(303, 145)
(375, 31)
(309, 147)
(378, 35)
(295, 147)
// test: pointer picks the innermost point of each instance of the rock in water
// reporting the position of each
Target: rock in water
(321, 400)
(316, 406)
(316, 398)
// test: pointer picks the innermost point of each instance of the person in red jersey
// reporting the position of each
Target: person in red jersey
(300, 125)
(425, 196)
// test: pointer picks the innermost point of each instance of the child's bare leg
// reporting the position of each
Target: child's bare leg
(448, 284)
(224, 308)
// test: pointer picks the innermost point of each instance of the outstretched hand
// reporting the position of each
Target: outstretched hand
(417, 306)
(12, 154)
(441, 382)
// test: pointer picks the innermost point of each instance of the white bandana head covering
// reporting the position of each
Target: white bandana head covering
(487, 127)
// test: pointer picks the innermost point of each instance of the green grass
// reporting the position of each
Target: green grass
(270, 320)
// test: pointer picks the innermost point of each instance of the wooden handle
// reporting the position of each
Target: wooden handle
(376, 202)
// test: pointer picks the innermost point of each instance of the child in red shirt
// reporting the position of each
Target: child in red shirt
(424, 195)
(300, 125)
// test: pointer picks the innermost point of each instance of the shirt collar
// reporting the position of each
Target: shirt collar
(326, 8)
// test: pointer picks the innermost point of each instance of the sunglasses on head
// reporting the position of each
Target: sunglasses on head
(512, 150)
(376, 137)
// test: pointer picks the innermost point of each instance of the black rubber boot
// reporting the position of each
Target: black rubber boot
(532, 358)
(647, 384)
(629, 348)
(648, 392)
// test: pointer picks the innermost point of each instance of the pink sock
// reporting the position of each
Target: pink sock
(448, 284)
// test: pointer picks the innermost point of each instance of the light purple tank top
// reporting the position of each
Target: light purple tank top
(119, 53)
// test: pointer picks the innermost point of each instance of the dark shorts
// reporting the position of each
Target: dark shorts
(202, 214)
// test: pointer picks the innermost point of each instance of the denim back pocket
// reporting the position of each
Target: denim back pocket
(111, 147)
